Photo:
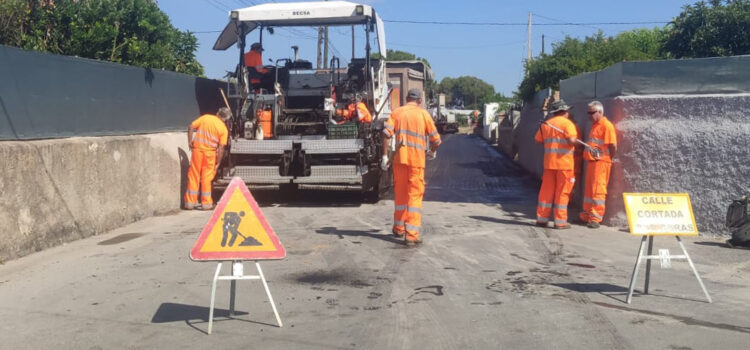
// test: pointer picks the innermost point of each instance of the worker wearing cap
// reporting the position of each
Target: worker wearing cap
(207, 137)
(602, 136)
(558, 177)
(254, 60)
(412, 127)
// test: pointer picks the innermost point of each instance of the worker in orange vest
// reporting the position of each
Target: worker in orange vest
(602, 136)
(207, 137)
(254, 61)
(558, 177)
(363, 114)
(356, 110)
(412, 127)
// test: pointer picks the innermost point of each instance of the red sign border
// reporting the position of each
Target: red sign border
(197, 255)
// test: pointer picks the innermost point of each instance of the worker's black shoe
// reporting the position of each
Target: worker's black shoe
(398, 234)
(541, 224)
(562, 227)
(592, 224)
(188, 206)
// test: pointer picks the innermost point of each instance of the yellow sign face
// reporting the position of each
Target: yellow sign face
(237, 230)
(660, 214)
(237, 211)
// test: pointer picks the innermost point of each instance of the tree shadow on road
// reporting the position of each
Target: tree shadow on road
(192, 315)
(360, 233)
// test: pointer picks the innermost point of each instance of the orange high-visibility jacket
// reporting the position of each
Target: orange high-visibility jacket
(364, 114)
(253, 58)
(412, 127)
(558, 152)
(208, 132)
(602, 135)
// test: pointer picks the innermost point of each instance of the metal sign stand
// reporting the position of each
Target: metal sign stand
(665, 260)
(238, 274)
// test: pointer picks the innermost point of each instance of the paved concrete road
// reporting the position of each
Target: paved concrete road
(484, 279)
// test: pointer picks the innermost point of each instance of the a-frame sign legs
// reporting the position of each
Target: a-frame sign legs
(648, 263)
(237, 274)
(268, 292)
(650, 257)
(634, 277)
(695, 272)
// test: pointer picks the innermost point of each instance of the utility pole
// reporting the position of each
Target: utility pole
(320, 42)
(325, 45)
(528, 40)
(325, 51)
(542, 44)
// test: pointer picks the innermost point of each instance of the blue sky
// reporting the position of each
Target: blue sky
(493, 53)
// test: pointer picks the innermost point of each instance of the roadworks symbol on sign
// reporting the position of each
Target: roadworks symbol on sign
(237, 230)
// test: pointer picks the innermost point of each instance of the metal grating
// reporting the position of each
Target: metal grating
(260, 174)
(242, 146)
(334, 170)
(328, 174)
(332, 146)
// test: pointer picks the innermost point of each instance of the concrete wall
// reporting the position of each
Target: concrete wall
(681, 127)
(55, 191)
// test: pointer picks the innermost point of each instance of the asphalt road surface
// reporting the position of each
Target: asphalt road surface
(485, 278)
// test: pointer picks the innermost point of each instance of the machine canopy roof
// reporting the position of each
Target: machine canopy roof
(296, 14)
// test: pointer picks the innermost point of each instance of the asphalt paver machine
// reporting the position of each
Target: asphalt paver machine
(305, 144)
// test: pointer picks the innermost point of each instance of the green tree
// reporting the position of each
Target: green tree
(573, 56)
(708, 29)
(134, 32)
(472, 91)
(12, 17)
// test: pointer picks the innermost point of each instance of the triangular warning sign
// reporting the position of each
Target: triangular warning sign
(237, 230)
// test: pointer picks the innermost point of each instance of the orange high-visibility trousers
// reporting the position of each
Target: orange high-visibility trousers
(201, 173)
(595, 191)
(554, 196)
(408, 188)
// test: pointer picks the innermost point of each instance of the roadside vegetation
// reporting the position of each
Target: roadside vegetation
(705, 29)
(133, 32)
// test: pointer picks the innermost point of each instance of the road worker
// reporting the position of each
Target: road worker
(345, 114)
(254, 63)
(602, 137)
(363, 114)
(558, 177)
(207, 137)
(412, 128)
(354, 111)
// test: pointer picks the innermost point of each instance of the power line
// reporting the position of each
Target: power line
(214, 5)
(456, 47)
(561, 21)
(520, 23)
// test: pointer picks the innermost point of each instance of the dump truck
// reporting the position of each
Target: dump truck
(304, 143)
